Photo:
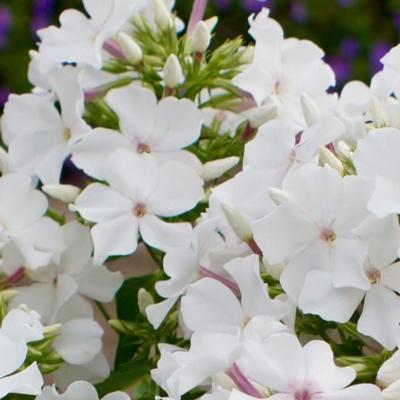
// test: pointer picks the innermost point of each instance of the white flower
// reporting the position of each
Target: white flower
(294, 372)
(79, 390)
(80, 39)
(39, 138)
(61, 287)
(209, 303)
(314, 230)
(161, 128)
(376, 158)
(283, 69)
(140, 192)
(27, 237)
(183, 266)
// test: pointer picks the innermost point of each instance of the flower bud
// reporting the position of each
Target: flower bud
(343, 150)
(130, 49)
(238, 222)
(326, 157)
(310, 109)
(162, 16)
(65, 193)
(247, 55)
(145, 299)
(216, 168)
(389, 371)
(380, 116)
(173, 74)
(52, 329)
(8, 294)
(279, 196)
(200, 38)
(211, 23)
(260, 115)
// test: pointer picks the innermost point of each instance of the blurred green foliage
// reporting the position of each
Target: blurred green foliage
(353, 33)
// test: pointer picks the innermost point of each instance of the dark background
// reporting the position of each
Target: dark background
(353, 33)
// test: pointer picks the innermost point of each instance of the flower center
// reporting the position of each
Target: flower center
(374, 275)
(303, 395)
(278, 87)
(67, 134)
(143, 148)
(327, 235)
(139, 210)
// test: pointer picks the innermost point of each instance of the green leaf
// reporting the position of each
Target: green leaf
(125, 377)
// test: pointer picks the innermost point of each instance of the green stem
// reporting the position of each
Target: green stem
(103, 311)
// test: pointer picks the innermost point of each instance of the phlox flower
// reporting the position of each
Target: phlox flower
(292, 372)
(140, 192)
(161, 128)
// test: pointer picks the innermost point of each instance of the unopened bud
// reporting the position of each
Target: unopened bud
(200, 38)
(238, 222)
(223, 380)
(65, 193)
(247, 55)
(52, 330)
(145, 299)
(279, 196)
(343, 150)
(310, 109)
(8, 294)
(380, 116)
(389, 372)
(211, 23)
(274, 270)
(173, 74)
(260, 115)
(216, 168)
(131, 50)
(162, 16)
(326, 157)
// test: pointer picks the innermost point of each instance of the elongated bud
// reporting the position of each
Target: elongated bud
(211, 23)
(260, 115)
(65, 193)
(216, 168)
(310, 109)
(162, 16)
(223, 380)
(247, 55)
(52, 330)
(279, 196)
(389, 372)
(343, 150)
(326, 157)
(238, 222)
(145, 299)
(173, 74)
(8, 294)
(200, 38)
(380, 116)
(131, 50)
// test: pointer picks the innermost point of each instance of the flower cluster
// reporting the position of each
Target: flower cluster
(269, 203)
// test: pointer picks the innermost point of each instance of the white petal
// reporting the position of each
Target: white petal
(99, 203)
(79, 341)
(208, 302)
(156, 313)
(80, 390)
(381, 316)
(179, 189)
(355, 392)
(164, 235)
(28, 381)
(115, 237)
(13, 355)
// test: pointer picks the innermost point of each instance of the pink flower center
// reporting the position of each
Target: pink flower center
(303, 395)
(374, 275)
(328, 235)
(143, 148)
(140, 210)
